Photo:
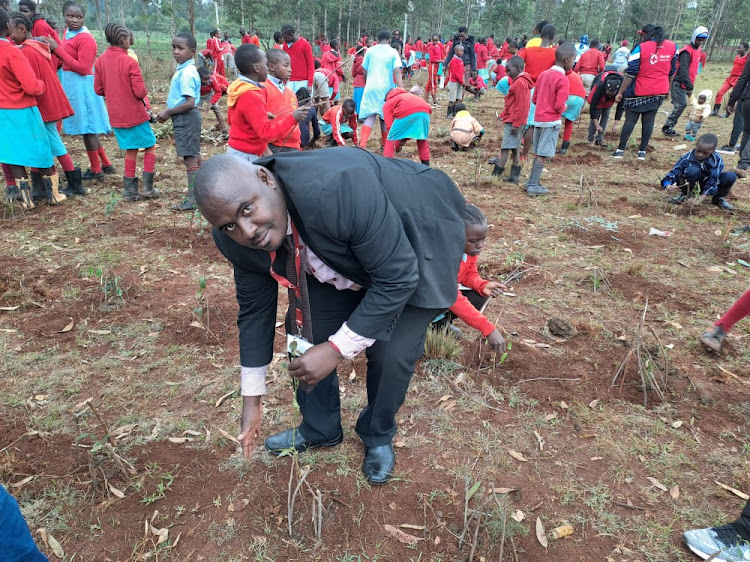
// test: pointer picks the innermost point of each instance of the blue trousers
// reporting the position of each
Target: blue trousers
(726, 181)
(16, 543)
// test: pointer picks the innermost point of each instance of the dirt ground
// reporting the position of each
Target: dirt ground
(119, 394)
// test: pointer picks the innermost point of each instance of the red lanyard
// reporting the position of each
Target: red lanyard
(284, 282)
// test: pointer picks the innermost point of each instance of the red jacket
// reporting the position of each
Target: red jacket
(250, 128)
(456, 70)
(280, 104)
(78, 53)
(654, 69)
(53, 103)
(213, 44)
(333, 83)
(575, 85)
(335, 118)
(518, 101)
(737, 67)
(118, 78)
(478, 82)
(213, 86)
(40, 28)
(482, 55)
(538, 59)
(468, 276)
(303, 64)
(419, 46)
(331, 60)
(550, 95)
(399, 103)
(20, 84)
(591, 62)
(436, 53)
(358, 73)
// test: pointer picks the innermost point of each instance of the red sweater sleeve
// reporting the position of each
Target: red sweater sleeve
(388, 117)
(310, 66)
(137, 83)
(217, 92)
(469, 277)
(253, 106)
(98, 82)
(561, 94)
(521, 108)
(84, 64)
(466, 312)
(25, 75)
(353, 125)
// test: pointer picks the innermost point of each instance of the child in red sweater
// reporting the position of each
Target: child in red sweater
(575, 102)
(340, 124)
(28, 145)
(514, 116)
(250, 127)
(473, 291)
(435, 55)
(358, 76)
(211, 92)
(118, 78)
(456, 81)
(280, 100)
(550, 95)
(300, 51)
(407, 116)
(53, 106)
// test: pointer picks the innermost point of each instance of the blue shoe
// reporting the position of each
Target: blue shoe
(618, 153)
(720, 544)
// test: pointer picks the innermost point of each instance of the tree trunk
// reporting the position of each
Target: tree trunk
(586, 20)
(106, 11)
(341, 9)
(99, 16)
(145, 26)
(677, 19)
(242, 13)
(359, 21)
(349, 23)
(191, 15)
(172, 21)
(468, 11)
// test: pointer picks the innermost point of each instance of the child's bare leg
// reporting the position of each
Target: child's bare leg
(219, 118)
(91, 142)
(503, 157)
(528, 140)
(516, 157)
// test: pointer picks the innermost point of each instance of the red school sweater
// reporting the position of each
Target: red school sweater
(53, 103)
(591, 62)
(358, 73)
(551, 95)
(335, 117)
(78, 53)
(250, 128)
(538, 59)
(40, 28)
(468, 276)
(303, 64)
(118, 78)
(518, 101)
(456, 70)
(20, 84)
(436, 53)
(399, 104)
(279, 104)
(213, 86)
(332, 61)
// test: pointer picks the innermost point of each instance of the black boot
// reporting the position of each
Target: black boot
(129, 189)
(515, 174)
(25, 192)
(148, 191)
(75, 185)
(38, 189)
(564, 148)
(109, 169)
(715, 112)
(449, 112)
(425, 162)
(498, 171)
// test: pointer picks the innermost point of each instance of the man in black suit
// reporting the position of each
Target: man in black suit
(469, 57)
(378, 241)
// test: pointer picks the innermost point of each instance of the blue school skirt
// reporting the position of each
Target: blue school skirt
(415, 126)
(575, 105)
(28, 143)
(358, 97)
(131, 138)
(57, 146)
(484, 73)
(503, 85)
(326, 128)
(532, 109)
(90, 116)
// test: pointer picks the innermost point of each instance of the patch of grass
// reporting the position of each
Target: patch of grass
(441, 345)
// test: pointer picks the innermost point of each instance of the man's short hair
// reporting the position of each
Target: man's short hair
(189, 39)
(274, 56)
(709, 139)
(516, 61)
(564, 51)
(463, 29)
(549, 31)
(384, 35)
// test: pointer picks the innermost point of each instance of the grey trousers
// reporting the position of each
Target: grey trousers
(679, 103)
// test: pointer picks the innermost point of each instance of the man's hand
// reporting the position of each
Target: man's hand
(315, 364)
(669, 187)
(493, 289)
(730, 109)
(252, 414)
(599, 129)
(163, 116)
(496, 341)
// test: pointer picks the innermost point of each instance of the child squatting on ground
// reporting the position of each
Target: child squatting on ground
(514, 116)
(407, 116)
(473, 291)
(701, 110)
(550, 95)
(701, 168)
(466, 131)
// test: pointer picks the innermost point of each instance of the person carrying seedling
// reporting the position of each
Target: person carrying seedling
(699, 174)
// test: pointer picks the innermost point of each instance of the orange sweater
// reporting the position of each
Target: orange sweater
(282, 104)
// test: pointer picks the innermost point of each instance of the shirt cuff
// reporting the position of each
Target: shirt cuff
(253, 381)
(348, 342)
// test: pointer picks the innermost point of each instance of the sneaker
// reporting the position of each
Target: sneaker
(678, 200)
(641, 155)
(670, 132)
(723, 204)
(726, 149)
(493, 161)
(689, 138)
(713, 338)
(618, 153)
(536, 190)
(720, 544)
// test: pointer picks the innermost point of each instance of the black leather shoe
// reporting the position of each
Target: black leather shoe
(378, 464)
(291, 440)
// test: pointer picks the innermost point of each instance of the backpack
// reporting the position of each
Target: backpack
(610, 81)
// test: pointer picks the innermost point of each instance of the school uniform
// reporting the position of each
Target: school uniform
(406, 117)
(435, 56)
(398, 251)
(380, 62)
(118, 78)
(516, 111)
(40, 28)
(589, 65)
(599, 108)
(738, 66)
(335, 124)
(537, 59)
(303, 64)
(186, 82)
(470, 299)
(53, 104)
(213, 44)
(210, 94)
(482, 57)
(280, 100)
(550, 96)
(576, 96)
(320, 89)
(250, 128)
(331, 60)
(78, 51)
(28, 145)
(304, 128)
(456, 80)
(358, 80)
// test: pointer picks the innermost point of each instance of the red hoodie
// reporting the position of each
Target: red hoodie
(332, 61)
(53, 103)
(399, 103)
(118, 78)
(518, 101)
(468, 276)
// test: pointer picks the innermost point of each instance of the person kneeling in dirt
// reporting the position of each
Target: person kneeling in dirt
(465, 130)
(359, 255)
(698, 174)
(473, 291)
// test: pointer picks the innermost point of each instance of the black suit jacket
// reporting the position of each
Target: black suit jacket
(394, 227)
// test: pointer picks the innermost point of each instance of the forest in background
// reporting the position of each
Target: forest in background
(612, 20)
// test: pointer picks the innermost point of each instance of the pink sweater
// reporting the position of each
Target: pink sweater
(550, 95)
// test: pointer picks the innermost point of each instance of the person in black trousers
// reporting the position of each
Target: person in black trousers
(741, 95)
(376, 263)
